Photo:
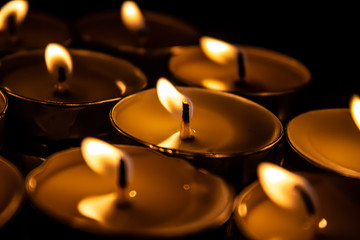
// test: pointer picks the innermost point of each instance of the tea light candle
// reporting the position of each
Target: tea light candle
(12, 190)
(22, 29)
(157, 208)
(258, 217)
(327, 138)
(40, 109)
(224, 124)
(134, 30)
(216, 65)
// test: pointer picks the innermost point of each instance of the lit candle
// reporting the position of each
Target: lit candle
(56, 100)
(165, 195)
(223, 125)
(328, 138)
(265, 76)
(22, 29)
(259, 216)
(3, 110)
(12, 191)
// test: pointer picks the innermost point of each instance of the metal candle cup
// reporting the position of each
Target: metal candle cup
(97, 82)
(232, 134)
(166, 194)
(3, 109)
(272, 79)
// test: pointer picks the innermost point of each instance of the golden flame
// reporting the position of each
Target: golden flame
(279, 185)
(57, 56)
(218, 51)
(131, 16)
(104, 159)
(355, 109)
(18, 8)
(214, 84)
(172, 99)
(322, 223)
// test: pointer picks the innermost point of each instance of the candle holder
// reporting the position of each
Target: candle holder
(328, 139)
(3, 110)
(257, 217)
(271, 79)
(12, 191)
(231, 134)
(149, 48)
(157, 209)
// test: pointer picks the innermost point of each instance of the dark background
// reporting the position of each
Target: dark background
(321, 36)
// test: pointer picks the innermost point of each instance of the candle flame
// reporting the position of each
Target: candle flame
(104, 159)
(132, 17)
(16, 7)
(218, 51)
(355, 109)
(172, 99)
(280, 186)
(57, 56)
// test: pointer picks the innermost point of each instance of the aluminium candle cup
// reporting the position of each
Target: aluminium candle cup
(173, 199)
(106, 32)
(232, 134)
(328, 139)
(273, 79)
(257, 217)
(12, 191)
(97, 82)
(3, 110)
(36, 31)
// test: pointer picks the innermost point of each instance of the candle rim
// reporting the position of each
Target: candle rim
(327, 166)
(93, 227)
(18, 192)
(192, 154)
(4, 102)
(143, 81)
(256, 51)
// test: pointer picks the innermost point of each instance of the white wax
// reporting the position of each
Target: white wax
(172, 198)
(259, 218)
(328, 138)
(267, 72)
(224, 124)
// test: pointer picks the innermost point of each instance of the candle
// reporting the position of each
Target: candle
(223, 126)
(258, 217)
(166, 195)
(22, 29)
(3, 109)
(40, 108)
(327, 138)
(12, 191)
(266, 76)
(142, 36)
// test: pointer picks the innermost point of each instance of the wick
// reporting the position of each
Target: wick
(12, 28)
(142, 36)
(122, 199)
(185, 130)
(241, 68)
(309, 205)
(61, 86)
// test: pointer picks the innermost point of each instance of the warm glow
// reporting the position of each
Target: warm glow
(103, 158)
(172, 99)
(132, 17)
(57, 56)
(279, 185)
(218, 51)
(18, 8)
(214, 84)
(355, 109)
(121, 85)
(322, 223)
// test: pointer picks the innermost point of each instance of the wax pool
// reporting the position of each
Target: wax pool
(168, 196)
(327, 138)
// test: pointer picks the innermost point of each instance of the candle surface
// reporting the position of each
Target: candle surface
(267, 72)
(96, 77)
(259, 218)
(223, 124)
(327, 138)
(12, 190)
(163, 32)
(168, 197)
